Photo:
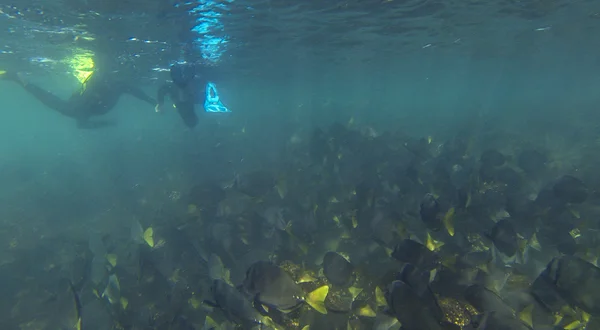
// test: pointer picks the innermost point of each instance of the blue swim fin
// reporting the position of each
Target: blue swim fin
(213, 103)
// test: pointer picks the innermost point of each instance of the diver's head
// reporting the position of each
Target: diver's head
(182, 74)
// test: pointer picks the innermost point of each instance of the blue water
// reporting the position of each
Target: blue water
(526, 71)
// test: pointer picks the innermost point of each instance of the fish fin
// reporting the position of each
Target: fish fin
(211, 303)
(380, 297)
(448, 221)
(526, 315)
(259, 306)
(78, 306)
(316, 299)
(388, 311)
(366, 311)
(149, 236)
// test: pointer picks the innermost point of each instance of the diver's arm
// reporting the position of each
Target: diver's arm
(139, 94)
(164, 90)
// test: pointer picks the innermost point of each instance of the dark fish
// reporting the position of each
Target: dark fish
(462, 197)
(461, 173)
(498, 315)
(234, 304)
(504, 237)
(77, 303)
(338, 270)
(415, 253)
(180, 322)
(506, 175)
(419, 282)
(577, 281)
(485, 300)
(478, 322)
(546, 293)
(451, 283)
(570, 190)
(75, 300)
(546, 202)
(492, 158)
(339, 301)
(272, 286)
(256, 183)
(532, 161)
(206, 196)
(365, 192)
(344, 137)
(417, 279)
(419, 147)
(408, 307)
(66, 311)
(475, 259)
(566, 244)
(382, 229)
(430, 208)
(557, 235)
(510, 177)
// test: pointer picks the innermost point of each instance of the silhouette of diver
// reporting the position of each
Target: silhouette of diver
(97, 96)
(188, 89)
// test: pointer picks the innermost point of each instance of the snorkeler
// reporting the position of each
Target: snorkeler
(187, 90)
(98, 94)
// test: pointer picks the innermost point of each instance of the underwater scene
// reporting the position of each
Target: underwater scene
(302, 165)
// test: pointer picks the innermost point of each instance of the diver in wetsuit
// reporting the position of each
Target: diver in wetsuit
(189, 88)
(98, 95)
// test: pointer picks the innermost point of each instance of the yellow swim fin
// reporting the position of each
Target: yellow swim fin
(12, 76)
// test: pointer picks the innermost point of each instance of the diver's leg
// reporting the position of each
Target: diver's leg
(11, 76)
(48, 99)
(186, 112)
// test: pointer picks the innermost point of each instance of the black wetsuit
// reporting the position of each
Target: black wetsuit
(185, 98)
(97, 96)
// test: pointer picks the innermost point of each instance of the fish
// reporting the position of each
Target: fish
(413, 252)
(405, 303)
(272, 286)
(429, 211)
(492, 158)
(532, 161)
(217, 270)
(99, 271)
(78, 306)
(68, 312)
(338, 270)
(504, 237)
(234, 304)
(570, 189)
(501, 316)
(576, 281)
(112, 292)
(384, 321)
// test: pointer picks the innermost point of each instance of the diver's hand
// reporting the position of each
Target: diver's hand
(158, 108)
